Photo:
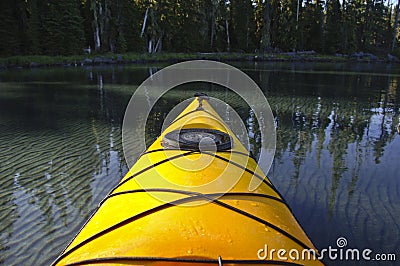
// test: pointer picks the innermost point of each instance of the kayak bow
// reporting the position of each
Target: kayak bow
(186, 201)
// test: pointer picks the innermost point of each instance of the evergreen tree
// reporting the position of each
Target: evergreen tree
(9, 42)
(395, 27)
(33, 30)
(275, 26)
(87, 23)
(349, 29)
(333, 27)
(131, 20)
(286, 35)
(56, 27)
(243, 25)
(217, 31)
(51, 25)
(191, 34)
(381, 29)
(62, 28)
(72, 26)
(263, 20)
(153, 29)
(311, 26)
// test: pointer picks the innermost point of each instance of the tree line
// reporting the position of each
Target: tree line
(66, 27)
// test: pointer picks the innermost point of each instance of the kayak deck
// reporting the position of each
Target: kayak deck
(191, 206)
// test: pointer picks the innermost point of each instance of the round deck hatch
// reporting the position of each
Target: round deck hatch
(197, 139)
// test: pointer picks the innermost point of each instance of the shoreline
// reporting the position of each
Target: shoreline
(41, 61)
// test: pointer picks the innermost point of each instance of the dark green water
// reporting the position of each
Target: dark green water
(337, 160)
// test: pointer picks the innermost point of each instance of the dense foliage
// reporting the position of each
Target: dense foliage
(64, 27)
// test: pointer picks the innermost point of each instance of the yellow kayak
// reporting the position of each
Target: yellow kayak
(181, 204)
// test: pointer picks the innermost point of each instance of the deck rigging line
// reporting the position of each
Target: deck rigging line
(220, 261)
(175, 203)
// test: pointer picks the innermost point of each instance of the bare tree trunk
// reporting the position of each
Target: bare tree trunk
(213, 10)
(266, 27)
(297, 14)
(100, 23)
(228, 40)
(247, 29)
(157, 48)
(97, 42)
(344, 29)
(396, 25)
(212, 29)
(144, 22)
(150, 47)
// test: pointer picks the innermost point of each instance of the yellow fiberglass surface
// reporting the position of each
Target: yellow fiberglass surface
(186, 202)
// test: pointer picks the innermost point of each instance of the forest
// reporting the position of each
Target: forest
(70, 27)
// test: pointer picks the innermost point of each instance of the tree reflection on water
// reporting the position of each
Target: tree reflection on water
(336, 158)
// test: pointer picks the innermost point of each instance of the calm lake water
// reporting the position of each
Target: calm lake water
(337, 161)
